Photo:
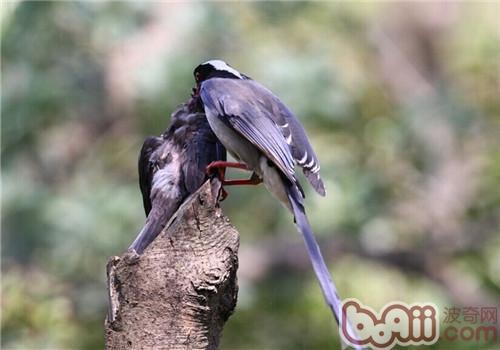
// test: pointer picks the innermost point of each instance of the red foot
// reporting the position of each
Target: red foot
(220, 167)
(223, 194)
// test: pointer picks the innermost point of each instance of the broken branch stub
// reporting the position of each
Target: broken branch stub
(181, 291)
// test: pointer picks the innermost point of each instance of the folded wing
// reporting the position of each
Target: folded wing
(264, 120)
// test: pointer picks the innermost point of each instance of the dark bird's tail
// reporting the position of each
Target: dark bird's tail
(155, 222)
(148, 233)
(323, 275)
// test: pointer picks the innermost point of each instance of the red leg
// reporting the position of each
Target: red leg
(220, 167)
(219, 164)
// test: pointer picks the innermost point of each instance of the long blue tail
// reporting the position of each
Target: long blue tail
(327, 285)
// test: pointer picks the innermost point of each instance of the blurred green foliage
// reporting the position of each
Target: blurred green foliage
(401, 102)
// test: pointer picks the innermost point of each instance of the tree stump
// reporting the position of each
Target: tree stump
(182, 290)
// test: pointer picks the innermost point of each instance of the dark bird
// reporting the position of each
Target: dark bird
(262, 133)
(172, 166)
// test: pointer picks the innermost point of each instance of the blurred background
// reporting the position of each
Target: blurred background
(401, 102)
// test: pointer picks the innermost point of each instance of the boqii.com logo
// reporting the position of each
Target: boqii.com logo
(397, 323)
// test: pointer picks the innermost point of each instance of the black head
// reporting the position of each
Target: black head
(215, 69)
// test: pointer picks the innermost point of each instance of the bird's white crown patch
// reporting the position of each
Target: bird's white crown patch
(221, 65)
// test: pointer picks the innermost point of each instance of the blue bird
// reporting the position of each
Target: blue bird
(264, 136)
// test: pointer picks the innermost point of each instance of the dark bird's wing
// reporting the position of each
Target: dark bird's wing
(235, 103)
(161, 187)
(146, 169)
(202, 149)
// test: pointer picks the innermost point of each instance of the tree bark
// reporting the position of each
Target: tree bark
(181, 291)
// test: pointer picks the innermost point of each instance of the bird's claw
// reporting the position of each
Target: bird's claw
(223, 194)
(218, 168)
